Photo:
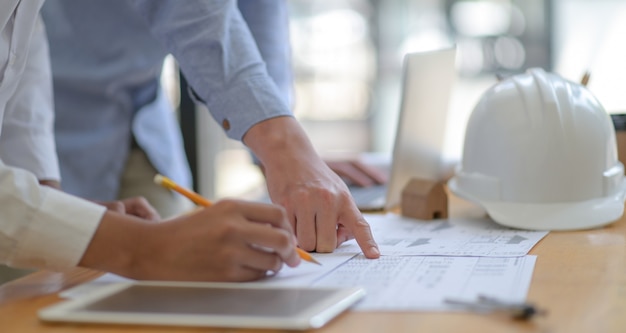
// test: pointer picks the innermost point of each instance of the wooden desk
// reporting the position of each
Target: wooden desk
(580, 278)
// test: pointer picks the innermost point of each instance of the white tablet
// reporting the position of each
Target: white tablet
(206, 304)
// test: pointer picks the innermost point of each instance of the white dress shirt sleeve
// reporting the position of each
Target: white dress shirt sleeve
(41, 227)
(27, 139)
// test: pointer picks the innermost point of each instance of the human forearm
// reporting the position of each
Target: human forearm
(115, 246)
(279, 140)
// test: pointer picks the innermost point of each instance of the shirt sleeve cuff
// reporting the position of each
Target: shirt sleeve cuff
(241, 107)
(59, 233)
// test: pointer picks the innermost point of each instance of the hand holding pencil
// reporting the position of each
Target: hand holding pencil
(201, 201)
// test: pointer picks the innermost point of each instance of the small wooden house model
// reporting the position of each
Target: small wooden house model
(424, 200)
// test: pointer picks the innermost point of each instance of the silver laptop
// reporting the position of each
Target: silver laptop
(418, 148)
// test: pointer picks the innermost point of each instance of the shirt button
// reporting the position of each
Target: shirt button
(226, 124)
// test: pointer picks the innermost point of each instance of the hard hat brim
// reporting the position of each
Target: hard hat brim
(555, 216)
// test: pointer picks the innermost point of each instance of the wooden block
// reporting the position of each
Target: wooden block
(620, 137)
(424, 200)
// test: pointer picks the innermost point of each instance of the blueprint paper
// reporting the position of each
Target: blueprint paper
(303, 275)
(398, 235)
(417, 283)
(423, 263)
(396, 283)
(306, 273)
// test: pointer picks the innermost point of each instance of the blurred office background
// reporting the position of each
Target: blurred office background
(347, 60)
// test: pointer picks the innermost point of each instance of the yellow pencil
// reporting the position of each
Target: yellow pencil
(201, 201)
(193, 196)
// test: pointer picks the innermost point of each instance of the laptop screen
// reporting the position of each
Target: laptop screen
(419, 144)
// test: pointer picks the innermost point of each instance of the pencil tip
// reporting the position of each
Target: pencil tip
(313, 260)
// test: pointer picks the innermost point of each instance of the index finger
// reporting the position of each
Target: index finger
(362, 233)
(265, 213)
(140, 207)
(273, 240)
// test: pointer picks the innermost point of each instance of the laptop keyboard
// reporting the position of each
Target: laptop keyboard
(369, 198)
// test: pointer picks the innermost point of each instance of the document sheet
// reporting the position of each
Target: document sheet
(422, 264)
(409, 283)
(303, 275)
(398, 235)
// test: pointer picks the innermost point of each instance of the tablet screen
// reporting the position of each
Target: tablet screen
(206, 304)
(214, 301)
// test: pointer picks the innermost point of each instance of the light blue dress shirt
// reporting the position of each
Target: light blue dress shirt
(106, 62)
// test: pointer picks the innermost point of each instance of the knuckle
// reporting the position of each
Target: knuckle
(301, 195)
(283, 239)
(229, 229)
(257, 275)
(281, 212)
(232, 273)
(361, 223)
(117, 206)
(306, 244)
(277, 264)
(228, 205)
(327, 196)
(345, 196)
(276, 213)
(229, 257)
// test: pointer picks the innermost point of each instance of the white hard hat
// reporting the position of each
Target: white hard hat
(540, 153)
